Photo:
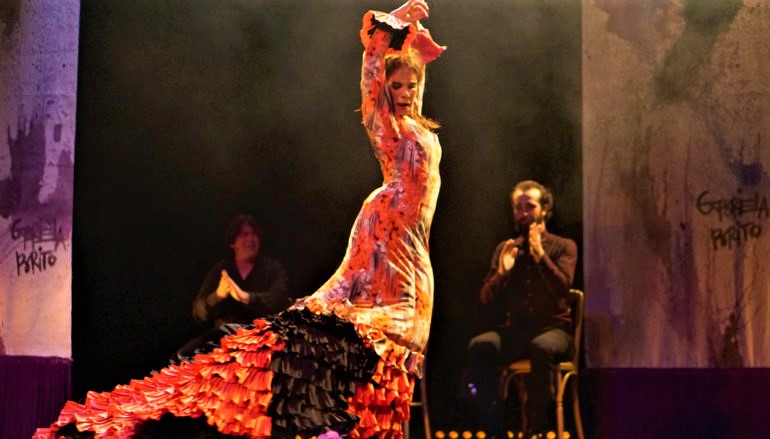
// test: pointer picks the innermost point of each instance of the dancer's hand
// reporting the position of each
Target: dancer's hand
(412, 11)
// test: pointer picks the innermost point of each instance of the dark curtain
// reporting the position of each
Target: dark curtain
(32, 390)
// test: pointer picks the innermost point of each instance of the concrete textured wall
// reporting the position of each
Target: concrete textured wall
(676, 109)
(38, 76)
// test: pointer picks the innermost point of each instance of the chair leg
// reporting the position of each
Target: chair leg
(425, 411)
(575, 406)
(563, 381)
(521, 388)
(423, 405)
(560, 407)
(576, 409)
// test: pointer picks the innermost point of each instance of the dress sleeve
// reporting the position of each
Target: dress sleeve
(381, 34)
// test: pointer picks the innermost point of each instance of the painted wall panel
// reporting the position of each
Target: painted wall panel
(675, 154)
(38, 78)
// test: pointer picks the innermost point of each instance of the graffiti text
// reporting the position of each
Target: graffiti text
(733, 207)
(735, 234)
(40, 241)
(34, 261)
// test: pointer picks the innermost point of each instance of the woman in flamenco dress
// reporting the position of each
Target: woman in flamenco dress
(343, 360)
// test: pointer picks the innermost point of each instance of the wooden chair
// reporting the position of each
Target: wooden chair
(567, 369)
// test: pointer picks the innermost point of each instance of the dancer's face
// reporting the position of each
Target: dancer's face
(403, 90)
(246, 244)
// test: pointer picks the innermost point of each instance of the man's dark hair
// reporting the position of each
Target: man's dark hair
(234, 228)
(546, 197)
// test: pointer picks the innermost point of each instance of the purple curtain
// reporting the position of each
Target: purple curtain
(32, 392)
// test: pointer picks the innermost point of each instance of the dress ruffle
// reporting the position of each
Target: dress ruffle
(293, 374)
(231, 387)
(383, 403)
(315, 374)
(391, 353)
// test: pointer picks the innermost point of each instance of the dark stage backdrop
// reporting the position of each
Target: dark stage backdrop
(192, 111)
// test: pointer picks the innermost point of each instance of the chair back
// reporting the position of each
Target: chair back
(577, 303)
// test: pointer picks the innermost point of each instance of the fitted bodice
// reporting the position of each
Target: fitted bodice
(410, 168)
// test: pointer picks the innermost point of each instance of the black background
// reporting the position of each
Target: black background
(190, 111)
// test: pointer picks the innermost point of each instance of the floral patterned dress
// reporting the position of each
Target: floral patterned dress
(343, 358)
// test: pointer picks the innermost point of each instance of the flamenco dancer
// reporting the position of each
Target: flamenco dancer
(343, 360)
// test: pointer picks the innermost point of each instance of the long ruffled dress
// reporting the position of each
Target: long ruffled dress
(343, 358)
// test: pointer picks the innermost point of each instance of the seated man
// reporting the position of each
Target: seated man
(525, 292)
(238, 289)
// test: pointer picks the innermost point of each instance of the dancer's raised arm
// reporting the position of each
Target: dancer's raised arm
(397, 32)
